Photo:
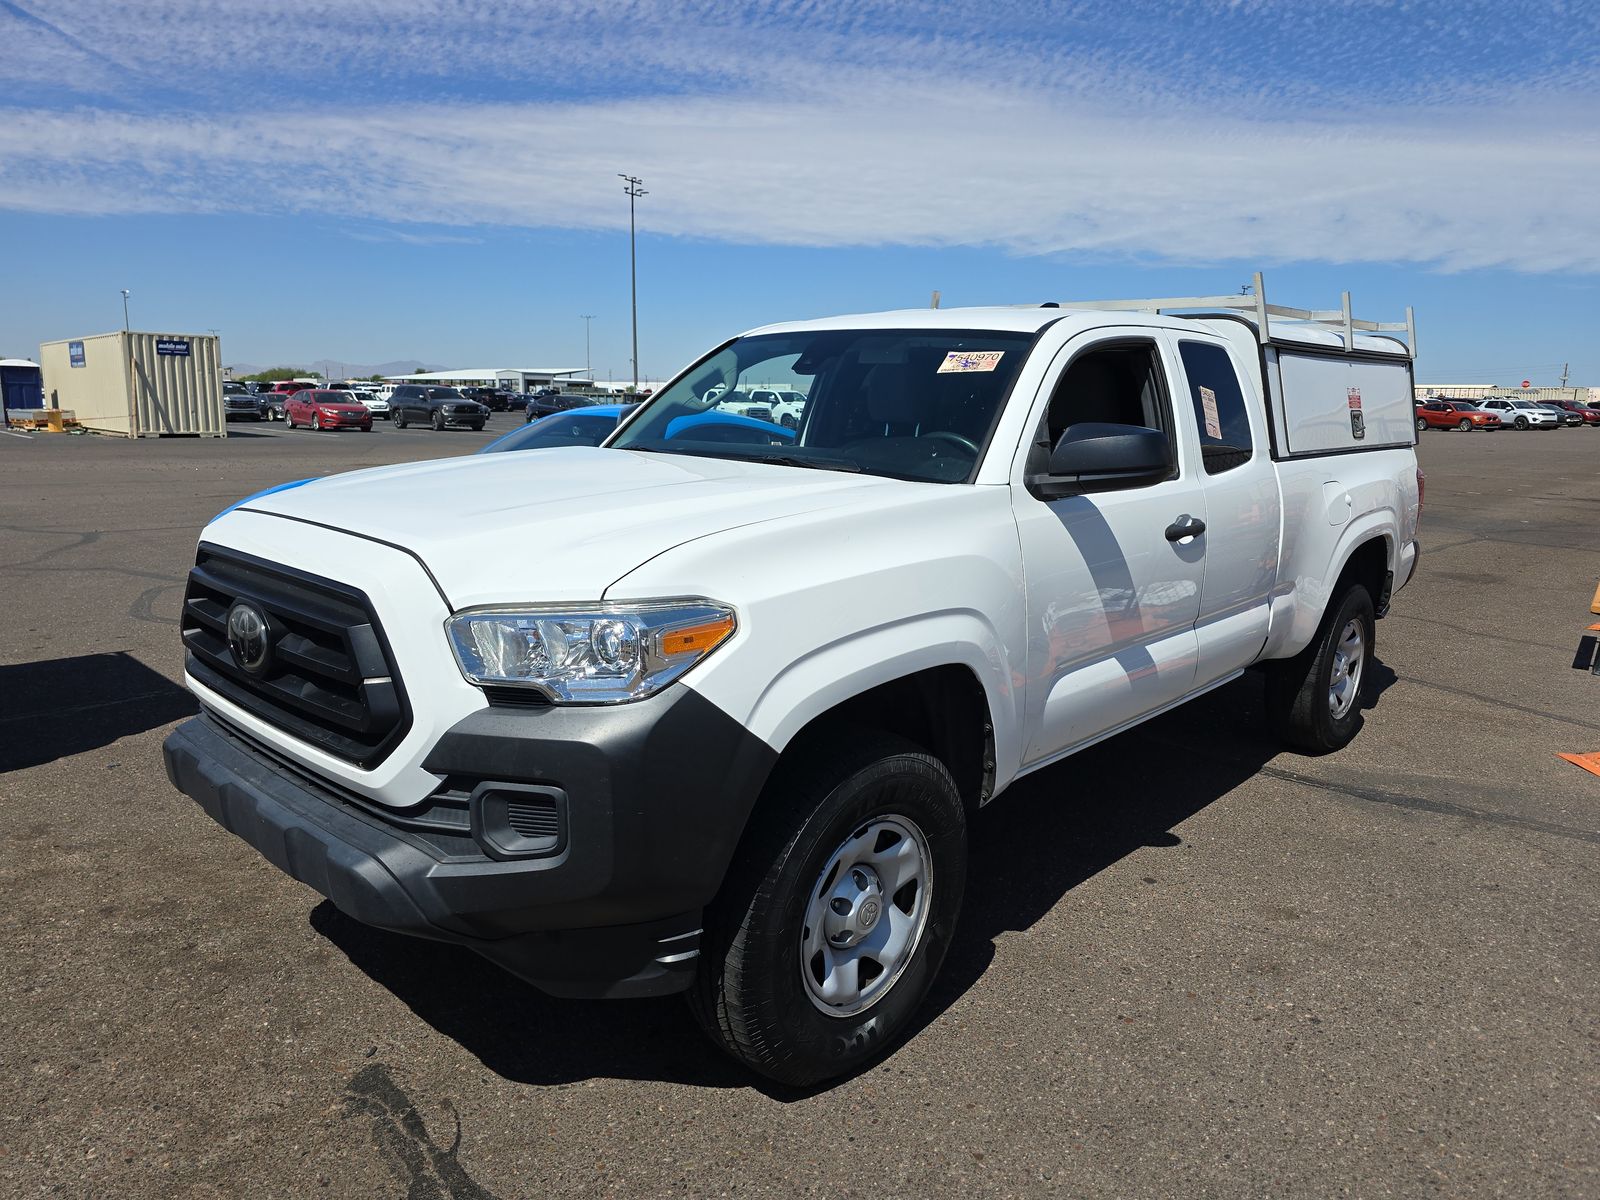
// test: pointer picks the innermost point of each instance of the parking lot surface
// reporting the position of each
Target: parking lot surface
(1189, 964)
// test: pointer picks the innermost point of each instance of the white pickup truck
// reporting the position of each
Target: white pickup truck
(708, 708)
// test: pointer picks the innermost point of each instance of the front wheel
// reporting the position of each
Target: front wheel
(1421, 424)
(316, 423)
(1521, 422)
(1314, 698)
(438, 418)
(836, 913)
(1464, 425)
(399, 420)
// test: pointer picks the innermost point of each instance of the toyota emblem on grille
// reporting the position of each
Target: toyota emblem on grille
(249, 637)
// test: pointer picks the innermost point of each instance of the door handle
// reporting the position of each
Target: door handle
(1185, 527)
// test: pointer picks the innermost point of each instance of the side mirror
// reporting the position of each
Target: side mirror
(1096, 457)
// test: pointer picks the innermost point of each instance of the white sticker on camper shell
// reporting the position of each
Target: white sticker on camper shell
(1208, 407)
(975, 360)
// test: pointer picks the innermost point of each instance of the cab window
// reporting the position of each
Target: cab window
(1219, 412)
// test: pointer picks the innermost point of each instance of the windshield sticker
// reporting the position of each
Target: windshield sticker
(976, 360)
(1208, 406)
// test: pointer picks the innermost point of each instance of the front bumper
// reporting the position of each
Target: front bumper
(653, 797)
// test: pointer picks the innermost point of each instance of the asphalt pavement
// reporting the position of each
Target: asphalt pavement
(1190, 965)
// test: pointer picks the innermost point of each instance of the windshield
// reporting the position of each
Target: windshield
(908, 404)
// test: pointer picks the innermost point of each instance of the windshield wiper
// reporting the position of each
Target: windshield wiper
(782, 460)
(795, 460)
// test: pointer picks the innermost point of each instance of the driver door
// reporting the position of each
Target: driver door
(1112, 599)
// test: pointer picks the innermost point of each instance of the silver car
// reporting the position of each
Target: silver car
(1521, 414)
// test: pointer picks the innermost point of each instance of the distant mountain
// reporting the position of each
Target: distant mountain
(334, 369)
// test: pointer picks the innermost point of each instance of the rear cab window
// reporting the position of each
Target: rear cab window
(1220, 416)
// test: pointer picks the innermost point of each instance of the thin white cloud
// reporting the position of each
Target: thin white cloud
(862, 162)
(1155, 130)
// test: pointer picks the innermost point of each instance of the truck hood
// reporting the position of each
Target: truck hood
(559, 524)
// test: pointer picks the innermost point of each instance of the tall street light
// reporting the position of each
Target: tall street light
(635, 189)
(587, 370)
(124, 310)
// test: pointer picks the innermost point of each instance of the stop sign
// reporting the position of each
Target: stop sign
(1525, 383)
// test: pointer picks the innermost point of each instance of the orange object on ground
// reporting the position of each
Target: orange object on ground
(1589, 762)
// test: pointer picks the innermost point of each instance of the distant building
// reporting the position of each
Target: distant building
(1477, 391)
(511, 379)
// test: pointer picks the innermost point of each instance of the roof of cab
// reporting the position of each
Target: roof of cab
(1031, 318)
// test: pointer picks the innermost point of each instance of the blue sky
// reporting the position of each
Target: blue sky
(367, 180)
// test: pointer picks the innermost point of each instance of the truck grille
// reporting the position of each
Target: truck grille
(329, 679)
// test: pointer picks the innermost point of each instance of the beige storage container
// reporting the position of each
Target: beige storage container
(138, 384)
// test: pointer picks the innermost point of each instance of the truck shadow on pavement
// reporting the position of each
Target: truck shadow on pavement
(65, 706)
(1046, 835)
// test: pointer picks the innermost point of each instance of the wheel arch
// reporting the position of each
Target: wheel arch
(943, 709)
(1365, 554)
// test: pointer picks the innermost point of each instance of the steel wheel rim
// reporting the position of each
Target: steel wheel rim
(1349, 660)
(865, 916)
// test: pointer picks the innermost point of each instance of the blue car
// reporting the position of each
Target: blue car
(591, 426)
(574, 427)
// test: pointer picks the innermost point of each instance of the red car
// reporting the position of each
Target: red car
(1591, 416)
(327, 410)
(1454, 414)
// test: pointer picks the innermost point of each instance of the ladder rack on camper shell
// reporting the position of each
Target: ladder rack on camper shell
(1336, 320)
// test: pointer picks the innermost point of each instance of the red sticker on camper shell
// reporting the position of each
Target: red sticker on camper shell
(1353, 395)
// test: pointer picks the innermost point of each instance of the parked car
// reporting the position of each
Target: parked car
(709, 714)
(240, 404)
(542, 404)
(1455, 414)
(1567, 416)
(318, 408)
(494, 399)
(441, 407)
(1521, 414)
(576, 427)
(374, 403)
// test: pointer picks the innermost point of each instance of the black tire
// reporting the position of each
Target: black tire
(749, 994)
(1298, 689)
(316, 423)
(438, 418)
(1421, 424)
(477, 427)
(1521, 422)
(399, 419)
(1464, 425)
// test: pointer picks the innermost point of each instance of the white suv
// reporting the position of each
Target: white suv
(1521, 414)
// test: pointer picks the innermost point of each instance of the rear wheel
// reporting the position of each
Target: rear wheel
(836, 913)
(1314, 698)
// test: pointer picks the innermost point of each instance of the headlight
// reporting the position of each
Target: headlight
(605, 654)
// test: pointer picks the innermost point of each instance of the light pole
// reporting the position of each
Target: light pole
(124, 310)
(587, 370)
(635, 189)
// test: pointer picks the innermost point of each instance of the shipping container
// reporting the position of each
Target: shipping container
(138, 384)
(20, 386)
